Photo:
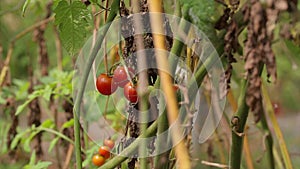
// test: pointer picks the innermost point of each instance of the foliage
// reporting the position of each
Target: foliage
(57, 84)
(39, 165)
(72, 20)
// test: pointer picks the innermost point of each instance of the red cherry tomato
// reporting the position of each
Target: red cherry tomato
(130, 92)
(175, 88)
(109, 143)
(277, 108)
(121, 77)
(105, 84)
(104, 151)
(98, 160)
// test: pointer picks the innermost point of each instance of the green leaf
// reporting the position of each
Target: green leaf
(27, 2)
(31, 97)
(15, 141)
(38, 165)
(94, 1)
(124, 166)
(22, 107)
(68, 124)
(294, 49)
(72, 20)
(26, 144)
(65, 91)
(46, 79)
(2, 100)
(36, 93)
(48, 123)
(55, 3)
(18, 137)
(32, 158)
(47, 93)
(21, 91)
(42, 165)
(112, 117)
(4, 127)
(52, 144)
(202, 14)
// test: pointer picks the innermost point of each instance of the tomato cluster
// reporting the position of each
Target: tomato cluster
(107, 84)
(103, 152)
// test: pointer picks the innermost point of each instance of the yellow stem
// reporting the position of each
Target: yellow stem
(247, 152)
(270, 113)
(232, 101)
(166, 81)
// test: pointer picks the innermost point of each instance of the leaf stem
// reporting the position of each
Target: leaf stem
(56, 133)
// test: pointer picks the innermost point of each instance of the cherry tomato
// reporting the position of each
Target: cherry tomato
(104, 151)
(277, 108)
(105, 84)
(98, 160)
(130, 92)
(109, 143)
(175, 88)
(121, 77)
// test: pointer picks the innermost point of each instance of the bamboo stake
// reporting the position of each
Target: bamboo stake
(166, 81)
(270, 113)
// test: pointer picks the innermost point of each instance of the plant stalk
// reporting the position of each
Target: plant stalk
(98, 44)
(238, 123)
(269, 141)
(237, 141)
(143, 81)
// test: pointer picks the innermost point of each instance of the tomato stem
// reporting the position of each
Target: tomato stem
(113, 13)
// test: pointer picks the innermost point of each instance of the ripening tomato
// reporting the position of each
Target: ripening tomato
(130, 92)
(109, 143)
(175, 88)
(104, 151)
(121, 77)
(277, 108)
(105, 84)
(98, 160)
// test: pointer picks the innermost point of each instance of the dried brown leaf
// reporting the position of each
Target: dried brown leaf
(258, 48)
